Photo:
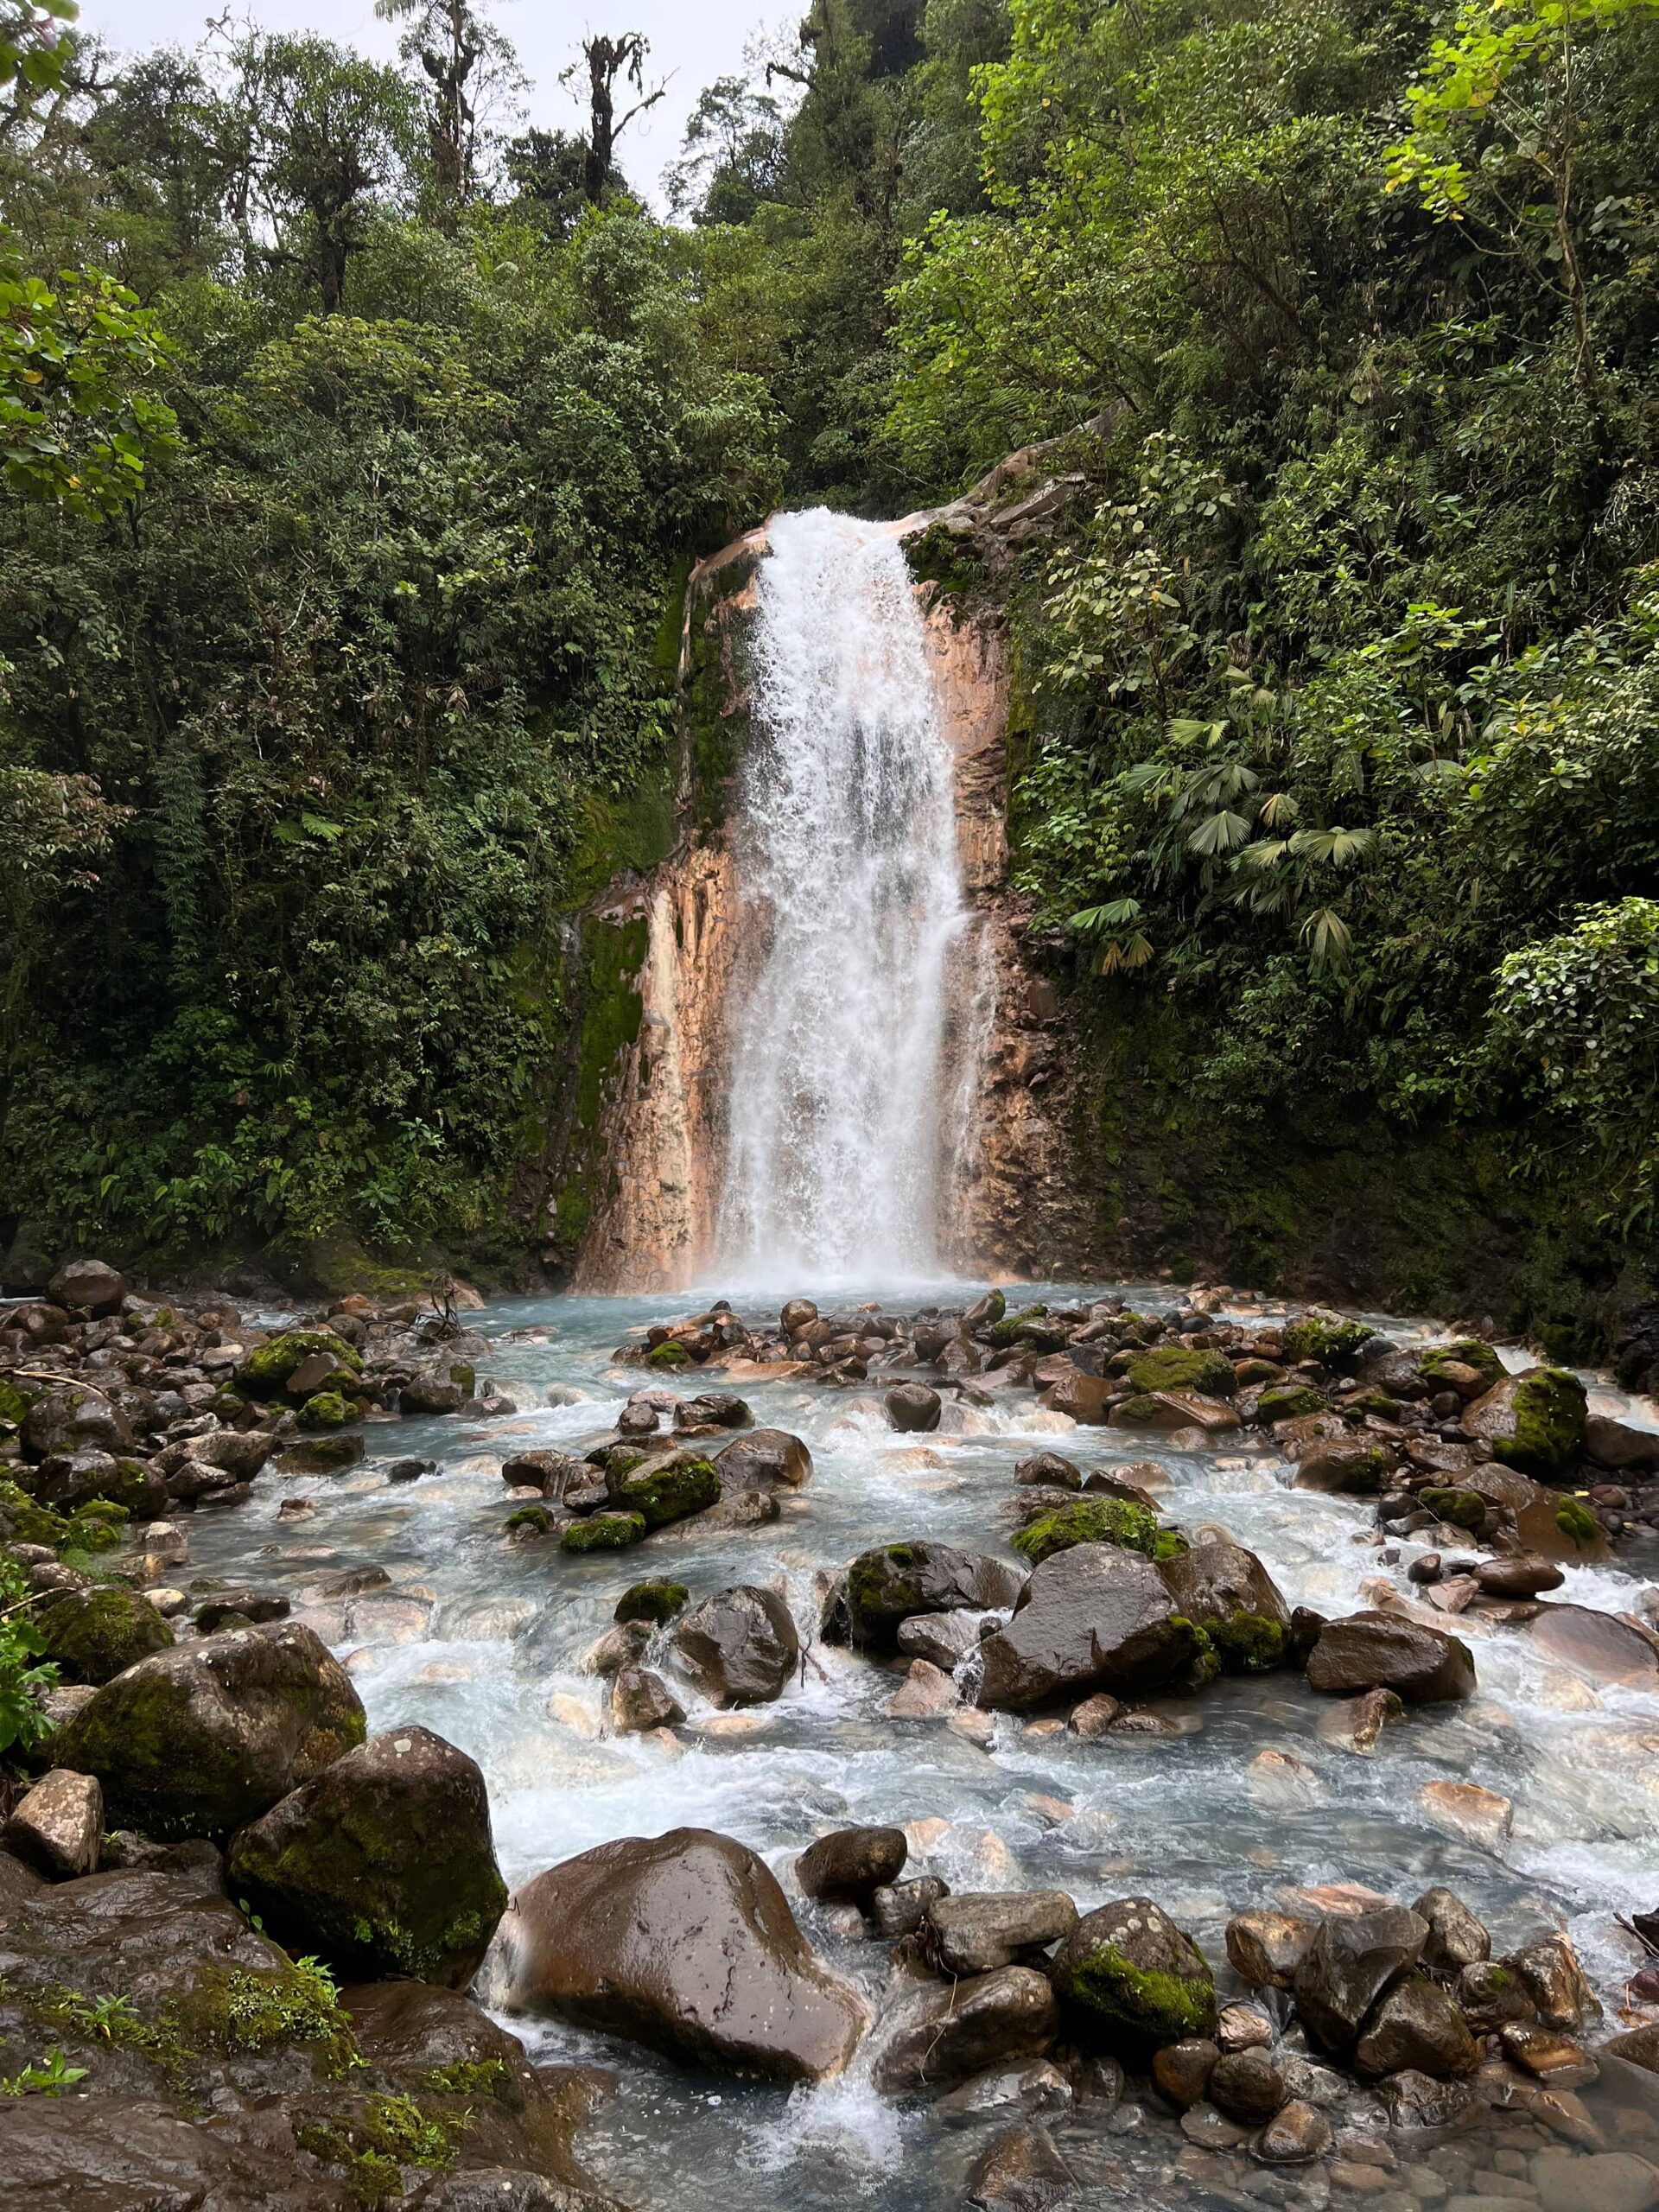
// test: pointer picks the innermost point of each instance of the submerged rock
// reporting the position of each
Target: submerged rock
(684, 1942)
(201, 1739)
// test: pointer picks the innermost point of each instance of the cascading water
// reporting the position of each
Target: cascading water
(846, 1055)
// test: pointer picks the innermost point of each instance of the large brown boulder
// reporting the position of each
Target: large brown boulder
(684, 1942)
(201, 1739)
(1355, 1958)
(1225, 1591)
(1372, 1650)
(1534, 1421)
(763, 1458)
(1417, 2024)
(383, 1863)
(1091, 1616)
(887, 1584)
(92, 1285)
(739, 1647)
(939, 2036)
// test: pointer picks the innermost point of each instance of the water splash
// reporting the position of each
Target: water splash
(856, 1013)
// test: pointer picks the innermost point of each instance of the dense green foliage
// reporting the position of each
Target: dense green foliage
(1338, 673)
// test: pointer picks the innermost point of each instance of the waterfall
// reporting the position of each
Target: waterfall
(852, 1017)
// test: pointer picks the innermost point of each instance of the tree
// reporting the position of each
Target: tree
(468, 65)
(548, 171)
(732, 155)
(608, 59)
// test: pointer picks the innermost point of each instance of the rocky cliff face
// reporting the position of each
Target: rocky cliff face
(637, 1165)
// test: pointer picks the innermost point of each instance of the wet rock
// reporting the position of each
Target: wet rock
(1040, 2087)
(642, 1699)
(1094, 1716)
(1129, 1978)
(1295, 2136)
(1636, 2047)
(1342, 1466)
(1416, 2025)
(849, 1865)
(1242, 2027)
(1620, 1445)
(1247, 2086)
(666, 1490)
(89, 1285)
(204, 1738)
(1425, 2109)
(382, 1863)
(1049, 1471)
(763, 1458)
(1549, 2056)
(1456, 1938)
(1607, 2181)
(943, 1639)
(55, 1826)
(1352, 1961)
(1490, 1995)
(1552, 1977)
(1598, 1644)
(603, 1532)
(936, 2038)
(925, 1693)
(94, 1634)
(976, 1932)
(1373, 1650)
(887, 1584)
(684, 1942)
(1228, 1592)
(431, 1394)
(1093, 1615)
(1355, 1724)
(750, 1509)
(1182, 2070)
(239, 1606)
(1517, 1577)
(714, 1409)
(1532, 1422)
(654, 1603)
(329, 1455)
(1019, 2171)
(740, 1646)
(623, 1644)
(70, 1420)
(912, 1409)
(553, 1473)
(1266, 1949)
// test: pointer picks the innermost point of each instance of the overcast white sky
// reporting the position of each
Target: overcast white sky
(690, 44)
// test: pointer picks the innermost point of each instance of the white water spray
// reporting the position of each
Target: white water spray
(847, 1051)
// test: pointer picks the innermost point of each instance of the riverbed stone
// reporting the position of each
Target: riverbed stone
(667, 1489)
(1022, 2169)
(1049, 1471)
(56, 1825)
(1295, 2136)
(1226, 1592)
(1182, 2070)
(94, 1634)
(1607, 2181)
(1416, 2025)
(1532, 1422)
(1456, 1938)
(1131, 1980)
(382, 1863)
(912, 1409)
(850, 1865)
(1247, 2087)
(1266, 1947)
(684, 1942)
(937, 2036)
(897, 1908)
(1550, 1973)
(93, 1286)
(640, 1699)
(653, 1603)
(944, 1639)
(1091, 1616)
(740, 1646)
(887, 1584)
(1377, 1651)
(976, 1932)
(203, 1739)
(1354, 1958)
(1598, 1644)
(763, 1458)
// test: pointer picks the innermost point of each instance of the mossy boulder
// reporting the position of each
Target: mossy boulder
(1229, 1595)
(1176, 1367)
(323, 1454)
(96, 1526)
(1461, 1509)
(1289, 1401)
(1013, 1328)
(94, 1634)
(1534, 1421)
(886, 1585)
(266, 1370)
(662, 1490)
(1467, 1352)
(383, 1863)
(1129, 1980)
(535, 1518)
(199, 1740)
(1325, 1337)
(668, 1354)
(655, 1602)
(1097, 1520)
(326, 1410)
(604, 1532)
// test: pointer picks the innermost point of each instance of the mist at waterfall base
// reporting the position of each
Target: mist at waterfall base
(482, 1641)
(852, 1037)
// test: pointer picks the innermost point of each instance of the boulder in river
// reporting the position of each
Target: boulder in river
(92, 1286)
(849, 1866)
(886, 1585)
(1091, 1616)
(939, 2035)
(740, 1646)
(1456, 1938)
(201, 1739)
(1377, 1651)
(383, 1863)
(976, 1932)
(1128, 1978)
(1266, 1947)
(1226, 1592)
(1355, 1958)
(1598, 1644)
(684, 1942)
(1416, 2025)
(70, 1420)
(763, 1458)
(667, 1488)
(641, 1700)
(912, 1409)
(1534, 1420)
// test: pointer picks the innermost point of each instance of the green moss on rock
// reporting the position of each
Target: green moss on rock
(1461, 1509)
(1127, 1976)
(604, 1532)
(94, 1634)
(1289, 1401)
(531, 1516)
(1547, 1411)
(1334, 1343)
(662, 1492)
(1466, 1352)
(267, 1368)
(1176, 1367)
(1576, 1521)
(327, 1410)
(1248, 1644)
(656, 1602)
(668, 1355)
(1097, 1520)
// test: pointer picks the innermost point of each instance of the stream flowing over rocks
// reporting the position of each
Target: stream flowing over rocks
(1107, 1746)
